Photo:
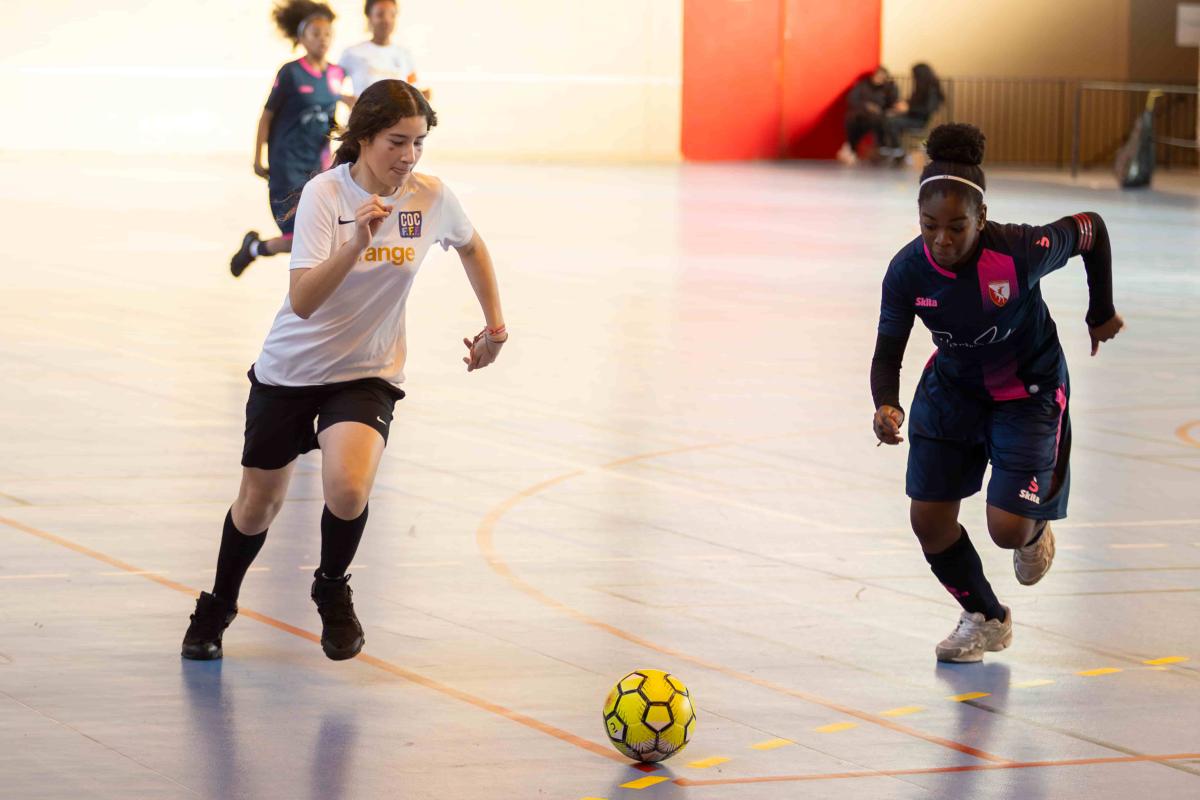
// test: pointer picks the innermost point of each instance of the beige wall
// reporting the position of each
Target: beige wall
(1013, 38)
(1098, 39)
(535, 78)
(1153, 54)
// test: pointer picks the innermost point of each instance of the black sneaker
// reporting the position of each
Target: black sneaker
(242, 258)
(341, 635)
(202, 641)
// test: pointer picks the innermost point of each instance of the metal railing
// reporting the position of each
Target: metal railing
(1047, 122)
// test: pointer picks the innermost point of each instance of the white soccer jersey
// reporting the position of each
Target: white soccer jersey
(367, 62)
(359, 331)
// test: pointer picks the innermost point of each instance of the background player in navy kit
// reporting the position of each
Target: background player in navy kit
(295, 124)
(996, 389)
(336, 350)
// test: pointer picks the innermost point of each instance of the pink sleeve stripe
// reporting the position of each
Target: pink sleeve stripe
(1086, 232)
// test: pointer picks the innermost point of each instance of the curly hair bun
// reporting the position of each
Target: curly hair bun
(956, 142)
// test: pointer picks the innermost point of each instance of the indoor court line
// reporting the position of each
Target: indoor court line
(888, 773)
(484, 536)
(379, 663)
(484, 540)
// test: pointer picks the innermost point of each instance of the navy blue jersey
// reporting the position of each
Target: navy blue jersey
(303, 102)
(993, 331)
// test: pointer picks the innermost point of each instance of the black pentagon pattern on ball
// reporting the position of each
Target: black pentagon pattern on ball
(616, 727)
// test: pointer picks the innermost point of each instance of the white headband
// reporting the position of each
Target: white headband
(932, 178)
(304, 22)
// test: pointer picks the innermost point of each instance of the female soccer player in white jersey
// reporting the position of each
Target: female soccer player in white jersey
(335, 353)
(378, 58)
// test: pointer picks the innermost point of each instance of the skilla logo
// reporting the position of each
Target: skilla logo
(1030, 494)
(397, 255)
(1043, 242)
(926, 302)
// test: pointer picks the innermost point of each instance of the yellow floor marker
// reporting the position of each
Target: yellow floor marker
(1033, 683)
(708, 762)
(771, 744)
(836, 726)
(1091, 673)
(962, 698)
(642, 783)
(1158, 662)
(903, 711)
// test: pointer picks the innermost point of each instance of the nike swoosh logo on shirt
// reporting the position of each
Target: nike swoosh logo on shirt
(344, 221)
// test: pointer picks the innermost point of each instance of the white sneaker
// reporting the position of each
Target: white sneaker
(975, 636)
(846, 155)
(1032, 562)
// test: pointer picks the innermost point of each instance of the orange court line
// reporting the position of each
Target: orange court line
(366, 658)
(885, 773)
(1184, 432)
(484, 540)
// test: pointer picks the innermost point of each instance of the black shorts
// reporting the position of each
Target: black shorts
(279, 419)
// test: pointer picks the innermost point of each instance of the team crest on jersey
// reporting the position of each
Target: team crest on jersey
(999, 291)
(410, 224)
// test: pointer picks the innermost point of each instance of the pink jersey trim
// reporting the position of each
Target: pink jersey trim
(932, 263)
(1060, 397)
(1004, 383)
(309, 68)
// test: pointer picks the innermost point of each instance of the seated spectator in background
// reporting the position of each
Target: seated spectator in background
(378, 59)
(869, 102)
(926, 98)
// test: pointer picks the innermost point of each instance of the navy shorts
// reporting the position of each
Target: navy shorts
(279, 419)
(284, 201)
(953, 434)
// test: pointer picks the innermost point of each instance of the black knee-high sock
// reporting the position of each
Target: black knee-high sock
(339, 542)
(959, 569)
(237, 554)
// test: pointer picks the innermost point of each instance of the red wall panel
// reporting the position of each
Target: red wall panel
(732, 106)
(828, 45)
(768, 78)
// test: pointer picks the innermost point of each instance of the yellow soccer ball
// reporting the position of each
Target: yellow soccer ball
(649, 715)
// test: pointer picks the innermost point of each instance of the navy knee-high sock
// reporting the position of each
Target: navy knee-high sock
(959, 569)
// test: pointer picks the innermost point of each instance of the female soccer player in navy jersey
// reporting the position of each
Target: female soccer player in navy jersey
(330, 370)
(996, 388)
(296, 123)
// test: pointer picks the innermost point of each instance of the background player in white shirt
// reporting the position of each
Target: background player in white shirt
(378, 58)
(335, 353)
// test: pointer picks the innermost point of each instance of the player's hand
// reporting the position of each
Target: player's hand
(483, 349)
(369, 216)
(1102, 333)
(261, 171)
(886, 424)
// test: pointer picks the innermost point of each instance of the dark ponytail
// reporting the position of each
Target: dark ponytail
(954, 149)
(381, 106)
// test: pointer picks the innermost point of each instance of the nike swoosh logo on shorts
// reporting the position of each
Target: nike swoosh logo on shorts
(344, 221)
(381, 419)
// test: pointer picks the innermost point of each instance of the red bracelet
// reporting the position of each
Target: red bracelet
(497, 331)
